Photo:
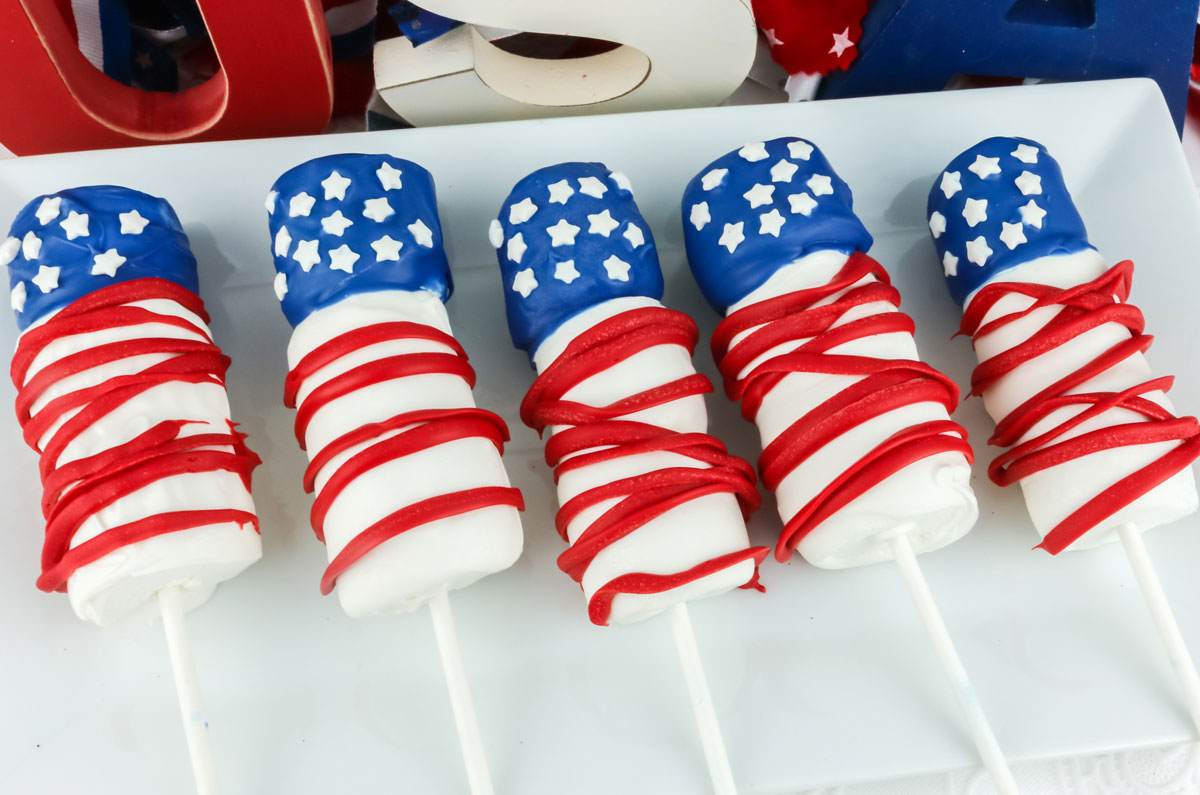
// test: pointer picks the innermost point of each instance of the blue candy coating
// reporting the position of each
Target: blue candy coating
(153, 245)
(787, 199)
(610, 254)
(385, 200)
(1029, 212)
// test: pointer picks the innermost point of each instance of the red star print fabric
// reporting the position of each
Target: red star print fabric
(811, 36)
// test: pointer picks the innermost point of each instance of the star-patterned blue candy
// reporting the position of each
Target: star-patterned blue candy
(568, 237)
(760, 207)
(998, 204)
(66, 245)
(354, 223)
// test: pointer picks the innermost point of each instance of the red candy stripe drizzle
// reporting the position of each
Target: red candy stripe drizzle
(419, 430)
(643, 497)
(886, 385)
(77, 490)
(1084, 307)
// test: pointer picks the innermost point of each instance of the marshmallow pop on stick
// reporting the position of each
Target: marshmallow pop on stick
(858, 444)
(652, 507)
(121, 390)
(1090, 433)
(412, 498)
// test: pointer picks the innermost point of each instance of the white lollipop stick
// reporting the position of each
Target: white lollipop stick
(977, 722)
(1164, 619)
(478, 778)
(702, 706)
(195, 727)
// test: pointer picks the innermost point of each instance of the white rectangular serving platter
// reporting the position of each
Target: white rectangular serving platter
(827, 678)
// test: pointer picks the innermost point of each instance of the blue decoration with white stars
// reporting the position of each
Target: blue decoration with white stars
(354, 223)
(760, 207)
(998, 204)
(65, 245)
(570, 236)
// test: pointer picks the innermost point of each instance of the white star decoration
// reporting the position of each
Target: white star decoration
(17, 299)
(1029, 183)
(753, 152)
(75, 225)
(1032, 214)
(802, 203)
(951, 183)
(937, 224)
(389, 177)
(47, 278)
(841, 42)
(107, 263)
(9, 250)
(1025, 153)
(387, 249)
(270, 202)
(759, 195)
(132, 222)
(378, 210)
(48, 210)
(516, 248)
(559, 192)
(422, 235)
(336, 224)
(601, 223)
(978, 251)
(308, 253)
(713, 178)
(342, 258)
(621, 181)
(783, 171)
(524, 282)
(280, 285)
(731, 236)
(522, 211)
(699, 215)
(495, 233)
(984, 166)
(563, 233)
(565, 271)
(31, 245)
(591, 186)
(950, 264)
(283, 241)
(975, 211)
(801, 150)
(335, 186)
(634, 235)
(820, 184)
(616, 268)
(770, 223)
(1012, 235)
(301, 204)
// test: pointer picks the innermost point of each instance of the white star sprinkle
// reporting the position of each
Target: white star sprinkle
(621, 181)
(616, 268)
(841, 43)
(820, 184)
(107, 263)
(283, 241)
(336, 224)
(389, 177)
(377, 209)
(301, 204)
(1032, 214)
(559, 192)
(1012, 235)
(975, 211)
(801, 150)
(950, 264)
(783, 171)
(522, 211)
(753, 152)
(770, 223)
(601, 223)
(951, 183)
(132, 222)
(802, 203)
(524, 282)
(1025, 153)
(48, 210)
(270, 202)
(516, 248)
(634, 235)
(75, 225)
(978, 251)
(422, 234)
(984, 166)
(387, 249)
(9, 250)
(731, 236)
(713, 178)
(1029, 183)
(495, 233)
(759, 195)
(342, 258)
(563, 233)
(699, 215)
(280, 285)
(335, 186)
(565, 271)
(937, 224)
(308, 253)
(591, 186)
(17, 298)
(31, 245)
(47, 278)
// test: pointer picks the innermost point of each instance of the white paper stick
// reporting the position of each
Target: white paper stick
(1164, 619)
(469, 739)
(702, 706)
(977, 722)
(195, 727)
